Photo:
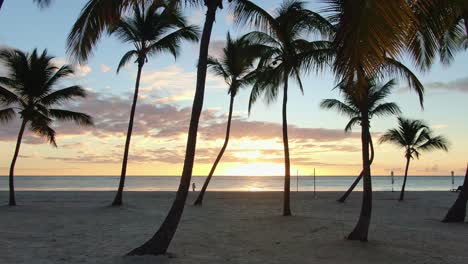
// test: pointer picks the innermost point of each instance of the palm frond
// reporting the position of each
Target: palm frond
(7, 97)
(394, 68)
(63, 95)
(126, 59)
(339, 106)
(386, 109)
(247, 12)
(66, 115)
(6, 115)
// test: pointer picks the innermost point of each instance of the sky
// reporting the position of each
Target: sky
(317, 138)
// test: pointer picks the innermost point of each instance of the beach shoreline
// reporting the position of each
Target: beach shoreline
(231, 227)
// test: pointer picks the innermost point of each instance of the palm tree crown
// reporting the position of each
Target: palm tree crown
(287, 53)
(236, 64)
(352, 106)
(152, 32)
(415, 136)
(29, 91)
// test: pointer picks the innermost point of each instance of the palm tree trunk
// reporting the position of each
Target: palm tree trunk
(457, 212)
(199, 200)
(119, 196)
(402, 193)
(287, 164)
(361, 230)
(159, 243)
(355, 183)
(12, 201)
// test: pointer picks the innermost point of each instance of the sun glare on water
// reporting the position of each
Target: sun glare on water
(256, 169)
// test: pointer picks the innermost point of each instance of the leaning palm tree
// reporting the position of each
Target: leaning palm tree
(28, 90)
(415, 137)
(457, 212)
(352, 106)
(236, 67)
(94, 19)
(367, 48)
(287, 55)
(151, 32)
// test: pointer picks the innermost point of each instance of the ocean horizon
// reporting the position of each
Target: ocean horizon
(227, 183)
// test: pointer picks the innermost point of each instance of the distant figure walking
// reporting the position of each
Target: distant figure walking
(193, 186)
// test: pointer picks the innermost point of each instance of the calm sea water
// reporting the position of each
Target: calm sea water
(223, 183)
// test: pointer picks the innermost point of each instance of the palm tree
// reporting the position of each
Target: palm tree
(457, 212)
(375, 105)
(40, 3)
(29, 91)
(287, 55)
(442, 30)
(94, 19)
(236, 67)
(150, 32)
(369, 35)
(415, 137)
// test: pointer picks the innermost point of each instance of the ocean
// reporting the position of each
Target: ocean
(225, 183)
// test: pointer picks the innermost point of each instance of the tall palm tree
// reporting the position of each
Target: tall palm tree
(288, 54)
(375, 105)
(151, 32)
(40, 3)
(94, 19)
(29, 91)
(236, 67)
(370, 34)
(415, 137)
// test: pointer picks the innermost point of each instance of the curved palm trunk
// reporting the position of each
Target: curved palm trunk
(159, 243)
(402, 193)
(199, 200)
(12, 201)
(361, 230)
(119, 196)
(287, 165)
(457, 212)
(358, 179)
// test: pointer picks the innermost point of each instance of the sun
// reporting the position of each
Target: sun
(256, 169)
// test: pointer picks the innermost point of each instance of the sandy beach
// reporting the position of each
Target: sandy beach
(80, 227)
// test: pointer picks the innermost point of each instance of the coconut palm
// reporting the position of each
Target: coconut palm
(369, 35)
(94, 19)
(375, 105)
(28, 90)
(288, 55)
(151, 32)
(415, 137)
(236, 67)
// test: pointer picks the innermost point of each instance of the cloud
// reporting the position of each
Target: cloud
(80, 70)
(105, 68)
(460, 85)
(216, 48)
(173, 84)
(439, 126)
(160, 132)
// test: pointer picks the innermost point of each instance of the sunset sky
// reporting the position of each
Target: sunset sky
(317, 139)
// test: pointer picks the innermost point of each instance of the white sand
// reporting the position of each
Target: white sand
(79, 227)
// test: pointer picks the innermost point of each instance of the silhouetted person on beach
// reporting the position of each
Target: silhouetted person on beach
(193, 186)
